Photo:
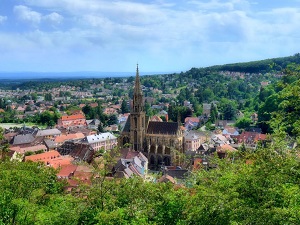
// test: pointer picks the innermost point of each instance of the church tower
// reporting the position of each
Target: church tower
(137, 116)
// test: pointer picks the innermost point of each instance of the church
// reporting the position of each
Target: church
(160, 142)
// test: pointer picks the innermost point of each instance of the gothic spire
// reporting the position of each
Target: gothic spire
(137, 85)
(138, 100)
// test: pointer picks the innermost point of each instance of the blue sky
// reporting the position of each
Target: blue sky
(161, 35)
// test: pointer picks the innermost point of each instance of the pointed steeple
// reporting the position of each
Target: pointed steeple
(137, 85)
(137, 115)
(138, 100)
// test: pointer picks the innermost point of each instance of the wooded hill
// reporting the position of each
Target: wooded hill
(260, 66)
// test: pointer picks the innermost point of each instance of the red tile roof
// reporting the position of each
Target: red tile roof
(192, 119)
(225, 148)
(28, 149)
(43, 157)
(73, 117)
(66, 137)
(66, 171)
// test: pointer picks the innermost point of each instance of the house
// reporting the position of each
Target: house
(223, 123)
(50, 144)
(192, 141)
(48, 133)
(250, 138)
(79, 151)
(66, 137)
(104, 141)
(112, 128)
(22, 139)
(12, 155)
(123, 117)
(83, 130)
(109, 111)
(164, 114)
(66, 171)
(22, 150)
(75, 175)
(191, 122)
(231, 131)
(72, 120)
(130, 164)
(93, 124)
(156, 119)
(51, 158)
(223, 150)
(175, 172)
(166, 178)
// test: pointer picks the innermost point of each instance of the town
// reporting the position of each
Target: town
(110, 120)
(203, 145)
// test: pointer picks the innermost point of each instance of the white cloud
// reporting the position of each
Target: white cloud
(196, 33)
(2, 19)
(26, 14)
(54, 18)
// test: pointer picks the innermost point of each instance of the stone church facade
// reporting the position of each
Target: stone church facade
(160, 142)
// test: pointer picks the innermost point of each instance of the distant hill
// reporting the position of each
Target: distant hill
(261, 66)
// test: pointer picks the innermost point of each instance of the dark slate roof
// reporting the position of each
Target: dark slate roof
(168, 128)
(177, 173)
(23, 139)
(127, 125)
(79, 151)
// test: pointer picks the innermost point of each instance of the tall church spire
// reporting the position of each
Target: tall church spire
(137, 85)
(137, 116)
(138, 102)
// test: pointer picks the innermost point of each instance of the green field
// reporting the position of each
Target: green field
(9, 125)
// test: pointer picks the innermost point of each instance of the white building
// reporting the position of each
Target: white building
(104, 141)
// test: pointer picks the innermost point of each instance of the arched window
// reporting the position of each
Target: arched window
(135, 122)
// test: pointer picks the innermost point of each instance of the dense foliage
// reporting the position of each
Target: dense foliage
(279, 107)
(260, 187)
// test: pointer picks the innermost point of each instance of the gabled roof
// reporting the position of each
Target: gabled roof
(226, 148)
(192, 136)
(156, 118)
(79, 151)
(73, 117)
(66, 137)
(99, 138)
(47, 132)
(168, 128)
(166, 178)
(66, 171)
(192, 119)
(43, 156)
(28, 149)
(23, 139)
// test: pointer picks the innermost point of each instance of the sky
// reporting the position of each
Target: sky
(159, 35)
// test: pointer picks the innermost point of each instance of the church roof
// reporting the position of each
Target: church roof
(127, 125)
(168, 128)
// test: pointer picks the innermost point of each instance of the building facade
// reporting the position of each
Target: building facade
(160, 142)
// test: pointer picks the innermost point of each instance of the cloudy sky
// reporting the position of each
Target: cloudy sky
(161, 35)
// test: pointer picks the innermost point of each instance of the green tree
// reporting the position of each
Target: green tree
(243, 122)
(124, 107)
(213, 113)
(48, 97)
(229, 112)
(4, 146)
